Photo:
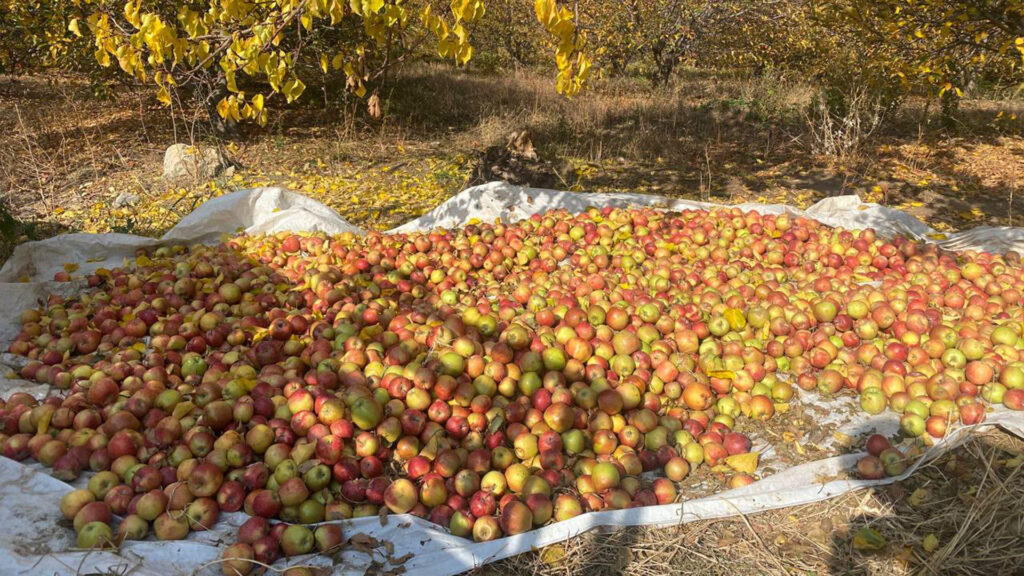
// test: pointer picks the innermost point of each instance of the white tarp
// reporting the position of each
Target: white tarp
(34, 543)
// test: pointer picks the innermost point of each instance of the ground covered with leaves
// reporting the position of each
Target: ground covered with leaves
(66, 157)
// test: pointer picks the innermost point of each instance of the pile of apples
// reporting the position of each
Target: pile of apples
(492, 378)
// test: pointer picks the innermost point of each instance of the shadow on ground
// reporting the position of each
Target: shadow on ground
(14, 231)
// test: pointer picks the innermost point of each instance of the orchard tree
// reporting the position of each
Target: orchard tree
(942, 44)
(34, 34)
(659, 35)
(241, 53)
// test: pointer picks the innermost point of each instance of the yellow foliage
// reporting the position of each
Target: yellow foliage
(173, 44)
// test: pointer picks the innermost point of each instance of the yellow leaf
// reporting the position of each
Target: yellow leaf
(73, 27)
(102, 57)
(745, 463)
(70, 267)
(868, 539)
(1015, 462)
(463, 54)
(293, 89)
(737, 321)
(843, 438)
(552, 554)
(918, 497)
(44, 422)
(543, 9)
(458, 7)
(181, 409)
(723, 374)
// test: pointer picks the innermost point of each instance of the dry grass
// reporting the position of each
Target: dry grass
(66, 155)
(969, 500)
(620, 120)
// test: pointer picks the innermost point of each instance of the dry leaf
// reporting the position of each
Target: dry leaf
(868, 539)
(373, 107)
(552, 554)
(401, 559)
(746, 463)
(930, 543)
(364, 543)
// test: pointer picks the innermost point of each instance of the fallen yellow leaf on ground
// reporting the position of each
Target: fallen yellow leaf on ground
(868, 539)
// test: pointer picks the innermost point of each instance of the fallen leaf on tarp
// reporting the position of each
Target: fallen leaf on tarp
(746, 463)
(364, 543)
(401, 559)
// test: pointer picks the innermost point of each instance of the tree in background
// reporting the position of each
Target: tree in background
(33, 34)
(236, 54)
(239, 53)
(936, 45)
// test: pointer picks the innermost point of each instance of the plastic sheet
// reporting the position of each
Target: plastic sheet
(35, 543)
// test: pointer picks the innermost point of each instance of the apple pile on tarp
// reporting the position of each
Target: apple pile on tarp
(492, 378)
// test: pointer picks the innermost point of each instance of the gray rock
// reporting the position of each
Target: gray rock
(194, 162)
(125, 200)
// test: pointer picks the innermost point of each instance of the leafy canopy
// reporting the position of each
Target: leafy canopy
(247, 51)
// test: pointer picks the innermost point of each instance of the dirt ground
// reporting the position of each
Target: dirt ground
(66, 156)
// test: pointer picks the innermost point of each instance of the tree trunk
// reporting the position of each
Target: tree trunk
(223, 127)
